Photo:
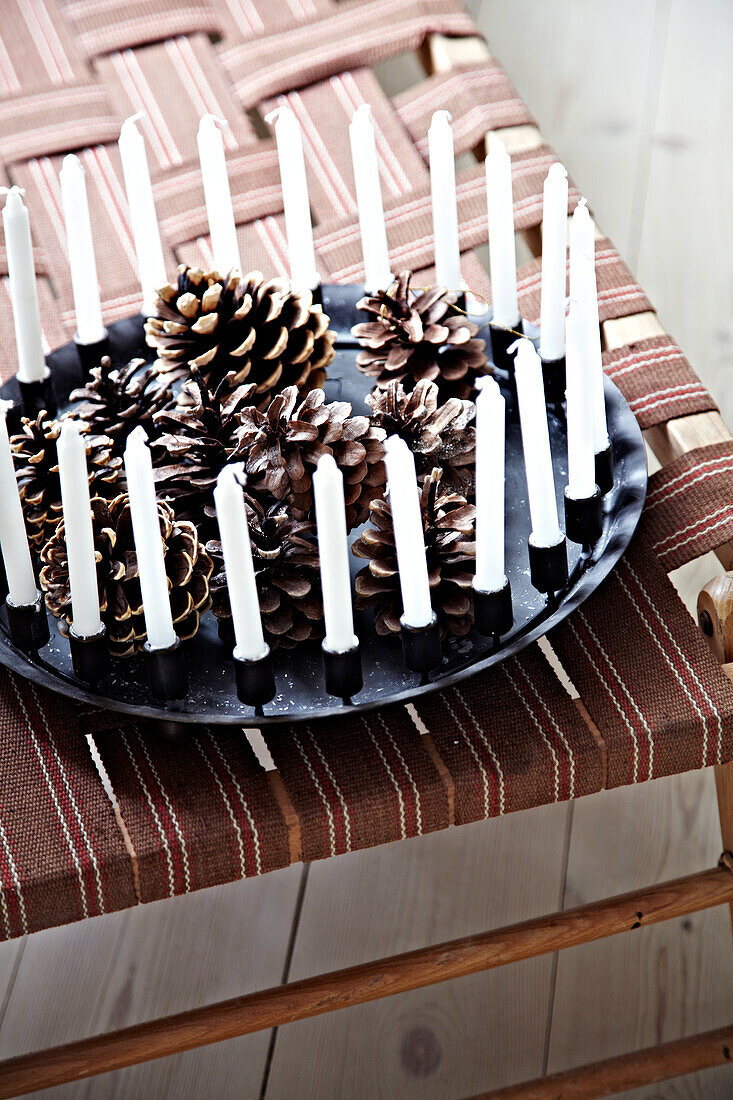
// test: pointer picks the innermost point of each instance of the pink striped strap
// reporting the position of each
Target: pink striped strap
(657, 381)
(52, 121)
(689, 505)
(102, 26)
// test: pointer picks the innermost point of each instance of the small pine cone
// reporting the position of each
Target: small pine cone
(37, 472)
(285, 559)
(194, 444)
(113, 402)
(254, 329)
(420, 335)
(280, 449)
(437, 434)
(448, 525)
(188, 566)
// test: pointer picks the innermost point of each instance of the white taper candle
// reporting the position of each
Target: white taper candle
(143, 219)
(377, 274)
(78, 531)
(231, 515)
(333, 551)
(502, 247)
(13, 539)
(404, 502)
(579, 395)
(23, 294)
(490, 486)
(554, 263)
(80, 248)
(583, 287)
(296, 205)
(217, 195)
(148, 541)
(536, 445)
(443, 194)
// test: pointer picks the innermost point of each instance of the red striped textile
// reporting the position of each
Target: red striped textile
(359, 781)
(38, 50)
(646, 675)
(54, 120)
(657, 381)
(243, 20)
(480, 98)
(510, 739)
(689, 505)
(197, 814)
(103, 26)
(62, 855)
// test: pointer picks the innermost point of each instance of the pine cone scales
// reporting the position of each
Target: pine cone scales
(280, 449)
(255, 329)
(448, 525)
(188, 568)
(418, 336)
(437, 434)
(37, 472)
(285, 558)
(113, 402)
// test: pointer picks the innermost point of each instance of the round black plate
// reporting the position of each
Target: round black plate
(301, 696)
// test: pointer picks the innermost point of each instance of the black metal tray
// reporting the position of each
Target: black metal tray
(301, 695)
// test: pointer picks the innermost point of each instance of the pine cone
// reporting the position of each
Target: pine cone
(195, 443)
(259, 331)
(436, 434)
(285, 558)
(415, 336)
(188, 566)
(448, 525)
(113, 402)
(37, 472)
(281, 447)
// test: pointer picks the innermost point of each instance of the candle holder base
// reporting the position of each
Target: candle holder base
(421, 646)
(343, 675)
(28, 624)
(166, 670)
(38, 396)
(501, 340)
(90, 656)
(493, 611)
(584, 518)
(553, 373)
(255, 680)
(548, 566)
(604, 470)
(90, 355)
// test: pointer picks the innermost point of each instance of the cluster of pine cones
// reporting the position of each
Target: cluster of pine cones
(238, 375)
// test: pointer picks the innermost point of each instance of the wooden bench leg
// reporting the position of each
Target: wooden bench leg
(724, 787)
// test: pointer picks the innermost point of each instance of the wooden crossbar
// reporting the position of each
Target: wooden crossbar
(368, 982)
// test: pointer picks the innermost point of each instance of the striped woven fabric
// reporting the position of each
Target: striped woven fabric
(657, 381)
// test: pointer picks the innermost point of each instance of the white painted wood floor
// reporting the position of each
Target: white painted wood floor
(635, 95)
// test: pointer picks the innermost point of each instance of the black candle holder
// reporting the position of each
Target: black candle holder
(421, 646)
(493, 611)
(255, 679)
(89, 655)
(38, 396)
(28, 624)
(553, 373)
(343, 675)
(501, 340)
(166, 670)
(584, 518)
(90, 355)
(604, 470)
(548, 566)
(3, 580)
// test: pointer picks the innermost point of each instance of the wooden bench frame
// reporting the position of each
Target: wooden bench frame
(456, 958)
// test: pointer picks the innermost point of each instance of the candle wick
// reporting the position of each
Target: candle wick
(14, 190)
(275, 113)
(215, 118)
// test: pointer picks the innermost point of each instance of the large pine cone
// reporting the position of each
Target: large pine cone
(448, 525)
(195, 443)
(188, 566)
(437, 434)
(420, 335)
(255, 329)
(285, 559)
(37, 472)
(113, 402)
(280, 449)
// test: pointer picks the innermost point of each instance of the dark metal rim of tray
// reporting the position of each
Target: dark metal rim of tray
(301, 695)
